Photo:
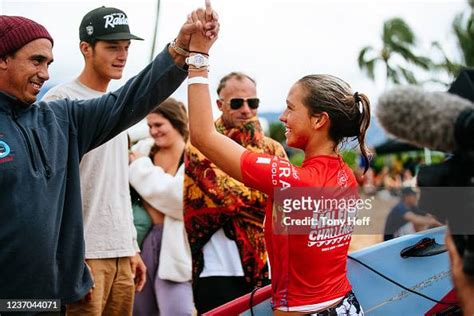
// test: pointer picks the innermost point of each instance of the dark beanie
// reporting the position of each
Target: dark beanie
(17, 31)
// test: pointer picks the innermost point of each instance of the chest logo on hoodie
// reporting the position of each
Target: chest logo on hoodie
(4, 149)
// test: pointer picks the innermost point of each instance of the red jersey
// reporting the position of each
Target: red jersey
(307, 268)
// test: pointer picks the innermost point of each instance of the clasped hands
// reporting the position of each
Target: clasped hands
(200, 30)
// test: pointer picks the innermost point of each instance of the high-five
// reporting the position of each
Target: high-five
(321, 111)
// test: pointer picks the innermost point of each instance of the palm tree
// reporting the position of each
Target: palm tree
(397, 40)
(463, 28)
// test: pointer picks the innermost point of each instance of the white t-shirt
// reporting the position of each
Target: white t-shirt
(108, 219)
(221, 257)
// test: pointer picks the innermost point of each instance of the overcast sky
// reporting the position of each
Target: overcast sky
(277, 42)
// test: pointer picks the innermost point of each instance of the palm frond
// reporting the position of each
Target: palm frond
(370, 67)
(392, 75)
(361, 59)
(410, 57)
(408, 75)
(403, 51)
(446, 64)
(464, 31)
(396, 30)
(367, 65)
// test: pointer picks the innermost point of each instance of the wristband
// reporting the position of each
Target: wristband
(196, 80)
(199, 70)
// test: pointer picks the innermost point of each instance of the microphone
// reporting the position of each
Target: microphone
(424, 119)
(445, 122)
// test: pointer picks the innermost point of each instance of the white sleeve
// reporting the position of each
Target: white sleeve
(162, 190)
(144, 146)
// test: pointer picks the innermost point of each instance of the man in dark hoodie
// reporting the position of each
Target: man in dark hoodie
(41, 145)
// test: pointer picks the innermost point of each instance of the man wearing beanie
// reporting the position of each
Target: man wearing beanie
(41, 145)
(110, 235)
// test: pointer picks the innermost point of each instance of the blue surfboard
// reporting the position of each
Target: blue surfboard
(425, 270)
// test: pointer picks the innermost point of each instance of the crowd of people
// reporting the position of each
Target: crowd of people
(398, 182)
(184, 220)
(390, 179)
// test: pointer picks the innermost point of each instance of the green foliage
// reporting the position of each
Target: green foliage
(397, 32)
(437, 157)
(297, 158)
(367, 65)
(463, 29)
(277, 132)
(350, 158)
(378, 163)
(398, 40)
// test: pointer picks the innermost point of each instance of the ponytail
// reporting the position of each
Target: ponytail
(349, 113)
(361, 99)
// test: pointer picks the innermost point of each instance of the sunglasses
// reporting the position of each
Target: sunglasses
(236, 103)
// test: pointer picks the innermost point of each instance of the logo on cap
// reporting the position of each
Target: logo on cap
(105, 24)
(115, 19)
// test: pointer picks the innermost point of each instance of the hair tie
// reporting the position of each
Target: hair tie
(357, 101)
(356, 97)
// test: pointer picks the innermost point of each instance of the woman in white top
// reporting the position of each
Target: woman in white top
(156, 173)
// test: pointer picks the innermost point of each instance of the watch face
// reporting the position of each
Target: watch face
(197, 61)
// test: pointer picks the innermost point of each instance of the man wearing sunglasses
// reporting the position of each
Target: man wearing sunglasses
(224, 218)
(238, 100)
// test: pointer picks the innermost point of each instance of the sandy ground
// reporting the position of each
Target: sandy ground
(367, 236)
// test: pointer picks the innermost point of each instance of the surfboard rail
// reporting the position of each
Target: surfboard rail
(427, 276)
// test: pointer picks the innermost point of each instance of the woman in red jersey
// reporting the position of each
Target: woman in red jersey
(308, 269)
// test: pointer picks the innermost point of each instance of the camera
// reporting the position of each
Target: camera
(447, 189)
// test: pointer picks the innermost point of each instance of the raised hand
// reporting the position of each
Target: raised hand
(206, 20)
(211, 26)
